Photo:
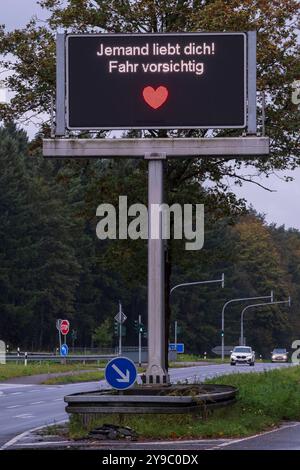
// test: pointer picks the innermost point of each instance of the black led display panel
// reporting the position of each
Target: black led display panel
(157, 81)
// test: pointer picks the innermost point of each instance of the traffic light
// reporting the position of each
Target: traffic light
(117, 329)
(74, 334)
(138, 327)
(222, 333)
(123, 330)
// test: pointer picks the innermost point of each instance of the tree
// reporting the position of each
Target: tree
(39, 272)
(260, 267)
(102, 335)
(52, 265)
(33, 68)
(33, 79)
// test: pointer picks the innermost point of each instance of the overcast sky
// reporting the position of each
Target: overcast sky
(281, 207)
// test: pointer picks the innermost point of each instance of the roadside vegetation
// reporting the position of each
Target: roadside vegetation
(265, 399)
(89, 376)
(9, 371)
(75, 378)
(191, 358)
(198, 358)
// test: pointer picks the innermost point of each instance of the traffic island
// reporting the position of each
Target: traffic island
(196, 399)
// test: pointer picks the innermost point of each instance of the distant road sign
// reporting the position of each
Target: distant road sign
(180, 347)
(64, 327)
(120, 317)
(218, 350)
(64, 350)
(120, 373)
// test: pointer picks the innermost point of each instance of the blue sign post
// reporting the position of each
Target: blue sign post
(64, 350)
(120, 373)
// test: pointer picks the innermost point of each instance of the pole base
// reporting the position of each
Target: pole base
(156, 374)
(156, 379)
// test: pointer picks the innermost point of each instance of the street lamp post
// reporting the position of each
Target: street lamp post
(185, 284)
(271, 297)
(258, 305)
(222, 280)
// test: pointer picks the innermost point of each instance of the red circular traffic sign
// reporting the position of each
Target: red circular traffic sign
(64, 327)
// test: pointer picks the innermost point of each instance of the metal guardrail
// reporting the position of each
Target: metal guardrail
(57, 358)
(145, 399)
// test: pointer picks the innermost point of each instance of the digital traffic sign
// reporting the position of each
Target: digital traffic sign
(156, 81)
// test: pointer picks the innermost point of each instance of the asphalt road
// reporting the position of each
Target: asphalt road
(285, 438)
(23, 407)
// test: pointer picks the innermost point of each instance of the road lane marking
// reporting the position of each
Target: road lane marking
(13, 386)
(26, 433)
(40, 444)
(24, 416)
(16, 393)
(13, 406)
(236, 441)
(37, 402)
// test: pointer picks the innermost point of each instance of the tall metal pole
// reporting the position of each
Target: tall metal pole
(196, 283)
(120, 329)
(140, 340)
(60, 115)
(237, 300)
(175, 335)
(156, 371)
(258, 305)
(251, 56)
(263, 112)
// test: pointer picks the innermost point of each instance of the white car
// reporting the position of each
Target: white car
(242, 355)
(279, 355)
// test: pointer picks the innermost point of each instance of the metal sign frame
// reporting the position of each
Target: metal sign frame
(156, 151)
(62, 91)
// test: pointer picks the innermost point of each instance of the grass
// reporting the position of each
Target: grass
(80, 377)
(198, 358)
(189, 358)
(9, 371)
(265, 399)
(75, 378)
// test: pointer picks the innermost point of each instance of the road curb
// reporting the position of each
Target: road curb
(225, 441)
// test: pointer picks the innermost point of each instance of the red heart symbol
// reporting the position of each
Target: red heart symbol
(155, 98)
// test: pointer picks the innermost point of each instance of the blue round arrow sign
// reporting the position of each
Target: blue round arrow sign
(120, 373)
(64, 350)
